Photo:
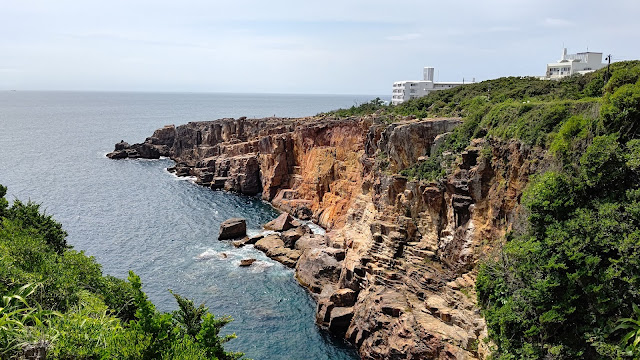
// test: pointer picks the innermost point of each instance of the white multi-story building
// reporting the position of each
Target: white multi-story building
(411, 89)
(569, 64)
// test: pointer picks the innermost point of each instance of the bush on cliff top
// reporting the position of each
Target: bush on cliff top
(562, 287)
(57, 296)
(526, 109)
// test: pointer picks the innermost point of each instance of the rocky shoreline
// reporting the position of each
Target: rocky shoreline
(395, 272)
(293, 244)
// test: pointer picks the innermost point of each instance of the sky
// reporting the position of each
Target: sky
(306, 47)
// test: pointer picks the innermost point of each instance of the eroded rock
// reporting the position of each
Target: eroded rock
(281, 223)
(405, 250)
(233, 228)
(247, 262)
(292, 235)
(319, 267)
(273, 246)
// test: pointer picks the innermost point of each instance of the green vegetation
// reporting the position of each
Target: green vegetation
(361, 109)
(56, 299)
(566, 284)
(523, 108)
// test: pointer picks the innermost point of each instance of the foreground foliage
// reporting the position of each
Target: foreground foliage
(56, 299)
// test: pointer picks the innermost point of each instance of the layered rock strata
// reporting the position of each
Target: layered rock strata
(395, 273)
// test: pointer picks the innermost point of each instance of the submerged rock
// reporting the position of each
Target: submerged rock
(247, 262)
(241, 242)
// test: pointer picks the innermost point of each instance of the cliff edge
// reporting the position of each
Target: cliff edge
(395, 272)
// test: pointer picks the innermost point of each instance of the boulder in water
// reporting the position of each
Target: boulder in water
(233, 228)
(247, 262)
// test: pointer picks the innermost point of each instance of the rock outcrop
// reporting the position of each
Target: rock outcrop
(281, 223)
(275, 248)
(395, 272)
(233, 228)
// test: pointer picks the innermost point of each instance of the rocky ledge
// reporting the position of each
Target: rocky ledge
(395, 272)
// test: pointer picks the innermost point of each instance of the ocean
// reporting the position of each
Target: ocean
(134, 215)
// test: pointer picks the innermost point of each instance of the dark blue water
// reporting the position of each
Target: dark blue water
(132, 214)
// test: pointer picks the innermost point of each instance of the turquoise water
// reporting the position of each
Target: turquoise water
(133, 214)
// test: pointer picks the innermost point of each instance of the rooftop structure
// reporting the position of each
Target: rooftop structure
(411, 89)
(569, 64)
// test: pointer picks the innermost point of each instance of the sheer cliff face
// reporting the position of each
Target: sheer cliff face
(395, 274)
(414, 248)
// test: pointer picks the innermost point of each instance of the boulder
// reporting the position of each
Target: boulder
(269, 243)
(254, 239)
(288, 258)
(247, 262)
(37, 350)
(317, 268)
(241, 242)
(118, 154)
(292, 235)
(233, 228)
(273, 246)
(122, 145)
(281, 223)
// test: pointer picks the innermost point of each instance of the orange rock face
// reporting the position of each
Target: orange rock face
(402, 252)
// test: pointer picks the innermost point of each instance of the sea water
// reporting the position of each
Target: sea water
(134, 215)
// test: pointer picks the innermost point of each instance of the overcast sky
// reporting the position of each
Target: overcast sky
(286, 46)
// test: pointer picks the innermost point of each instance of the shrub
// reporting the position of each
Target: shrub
(30, 217)
(79, 314)
(621, 112)
(557, 289)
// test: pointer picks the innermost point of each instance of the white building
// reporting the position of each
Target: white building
(411, 89)
(569, 64)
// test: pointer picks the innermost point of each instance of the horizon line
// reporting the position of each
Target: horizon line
(189, 92)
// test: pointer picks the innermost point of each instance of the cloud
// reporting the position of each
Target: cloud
(285, 46)
(135, 39)
(555, 22)
(499, 29)
(404, 37)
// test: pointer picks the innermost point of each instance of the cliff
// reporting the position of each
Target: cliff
(395, 273)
